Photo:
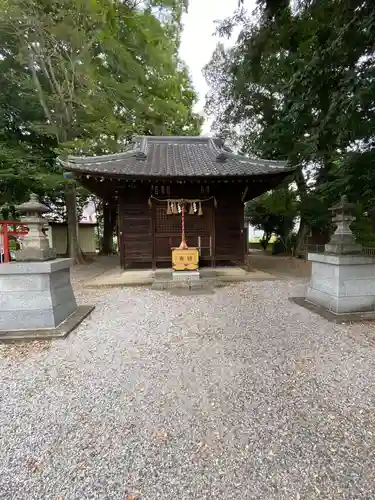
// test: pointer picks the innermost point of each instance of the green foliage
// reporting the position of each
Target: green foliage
(85, 77)
(274, 213)
(299, 85)
(363, 230)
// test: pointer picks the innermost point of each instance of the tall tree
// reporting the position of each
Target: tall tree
(97, 73)
(275, 214)
(298, 85)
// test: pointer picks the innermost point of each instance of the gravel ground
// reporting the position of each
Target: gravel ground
(236, 395)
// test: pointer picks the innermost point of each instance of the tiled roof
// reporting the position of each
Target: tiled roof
(175, 157)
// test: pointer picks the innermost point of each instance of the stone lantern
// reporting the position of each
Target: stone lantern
(36, 294)
(343, 241)
(342, 284)
(35, 246)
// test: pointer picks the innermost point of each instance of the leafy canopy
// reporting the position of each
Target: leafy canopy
(299, 85)
(84, 77)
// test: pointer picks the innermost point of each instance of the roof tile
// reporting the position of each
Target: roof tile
(174, 157)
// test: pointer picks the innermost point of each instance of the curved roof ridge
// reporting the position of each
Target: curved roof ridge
(169, 138)
(101, 158)
(170, 156)
(216, 149)
(256, 159)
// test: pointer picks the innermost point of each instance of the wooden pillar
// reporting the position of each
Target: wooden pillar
(246, 238)
(120, 230)
(109, 225)
(243, 233)
(153, 235)
(213, 238)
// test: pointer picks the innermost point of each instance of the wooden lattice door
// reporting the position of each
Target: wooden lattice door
(198, 231)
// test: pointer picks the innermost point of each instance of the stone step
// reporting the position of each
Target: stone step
(169, 284)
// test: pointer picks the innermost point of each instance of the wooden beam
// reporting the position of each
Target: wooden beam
(243, 197)
(153, 230)
(213, 238)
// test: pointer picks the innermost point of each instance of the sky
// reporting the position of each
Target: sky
(197, 45)
(198, 41)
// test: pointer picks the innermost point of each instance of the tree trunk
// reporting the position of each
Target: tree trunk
(265, 240)
(303, 226)
(74, 250)
(109, 223)
(301, 237)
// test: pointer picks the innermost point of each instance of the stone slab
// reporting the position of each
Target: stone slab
(47, 267)
(60, 332)
(64, 310)
(185, 275)
(21, 283)
(339, 260)
(170, 284)
(343, 248)
(232, 271)
(342, 284)
(249, 276)
(341, 305)
(35, 254)
(185, 292)
(118, 278)
(331, 316)
(36, 318)
(45, 300)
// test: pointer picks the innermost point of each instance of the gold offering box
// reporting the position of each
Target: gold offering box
(185, 259)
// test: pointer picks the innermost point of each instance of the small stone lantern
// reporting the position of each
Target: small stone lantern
(342, 283)
(35, 246)
(343, 240)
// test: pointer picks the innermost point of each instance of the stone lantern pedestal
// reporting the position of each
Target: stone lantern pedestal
(342, 284)
(36, 295)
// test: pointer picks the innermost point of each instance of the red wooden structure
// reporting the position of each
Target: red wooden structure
(10, 228)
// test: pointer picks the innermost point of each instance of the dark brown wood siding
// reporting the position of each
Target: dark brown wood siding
(135, 229)
(147, 233)
(229, 231)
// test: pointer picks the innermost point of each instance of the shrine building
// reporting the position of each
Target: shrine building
(156, 178)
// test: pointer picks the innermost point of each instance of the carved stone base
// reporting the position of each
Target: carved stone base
(35, 254)
(341, 248)
(60, 332)
(342, 284)
(185, 275)
(330, 316)
(35, 295)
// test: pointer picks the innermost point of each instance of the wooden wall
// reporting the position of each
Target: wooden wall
(146, 234)
(229, 231)
(135, 229)
(146, 239)
(58, 238)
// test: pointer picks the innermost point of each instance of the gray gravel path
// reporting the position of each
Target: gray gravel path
(237, 395)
